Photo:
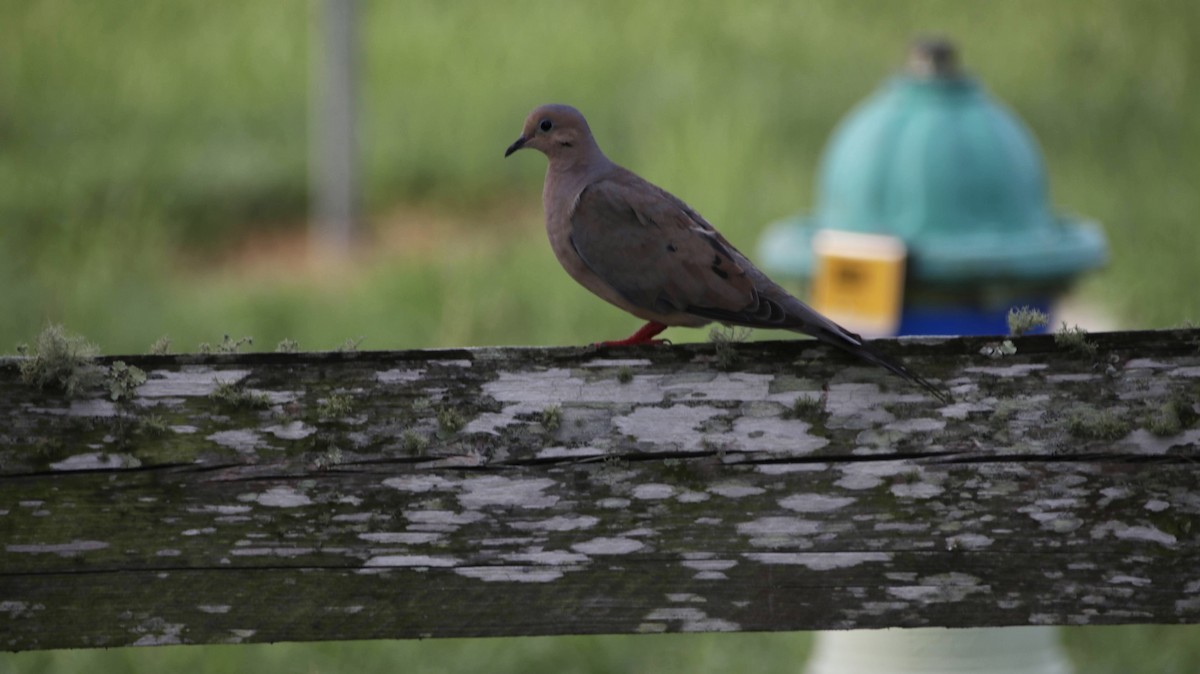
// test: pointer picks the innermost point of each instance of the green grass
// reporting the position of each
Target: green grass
(651, 654)
(1094, 650)
(134, 134)
(139, 140)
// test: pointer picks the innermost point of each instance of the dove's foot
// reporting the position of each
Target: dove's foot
(643, 336)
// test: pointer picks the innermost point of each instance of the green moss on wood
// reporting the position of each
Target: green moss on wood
(1023, 319)
(329, 458)
(1173, 416)
(998, 349)
(724, 340)
(123, 379)
(552, 418)
(413, 442)
(350, 345)
(450, 420)
(161, 346)
(60, 361)
(335, 406)
(153, 425)
(235, 395)
(804, 407)
(1093, 424)
(1075, 339)
(226, 345)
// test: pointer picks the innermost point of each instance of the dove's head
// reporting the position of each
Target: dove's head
(559, 131)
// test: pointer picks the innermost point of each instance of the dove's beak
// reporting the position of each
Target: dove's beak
(517, 145)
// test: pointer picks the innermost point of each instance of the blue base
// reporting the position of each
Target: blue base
(962, 320)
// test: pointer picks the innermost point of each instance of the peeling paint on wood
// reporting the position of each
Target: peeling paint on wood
(668, 495)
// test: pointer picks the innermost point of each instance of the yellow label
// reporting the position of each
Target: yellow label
(859, 281)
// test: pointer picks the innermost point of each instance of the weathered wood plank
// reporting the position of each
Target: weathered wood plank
(550, 491)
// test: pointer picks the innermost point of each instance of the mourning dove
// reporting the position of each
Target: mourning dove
(642, 249)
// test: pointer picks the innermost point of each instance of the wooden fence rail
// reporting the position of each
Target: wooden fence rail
(503, 491)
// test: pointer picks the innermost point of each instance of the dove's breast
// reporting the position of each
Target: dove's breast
(558, 230)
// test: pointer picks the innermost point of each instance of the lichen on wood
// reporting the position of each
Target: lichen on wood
(474, 492)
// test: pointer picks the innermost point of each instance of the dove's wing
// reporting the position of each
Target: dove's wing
(661, 256)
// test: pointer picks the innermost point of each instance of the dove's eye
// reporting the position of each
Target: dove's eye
(545, 125)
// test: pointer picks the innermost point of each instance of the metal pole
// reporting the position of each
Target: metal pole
(333, 137)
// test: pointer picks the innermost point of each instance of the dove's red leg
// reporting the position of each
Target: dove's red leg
(643, 336)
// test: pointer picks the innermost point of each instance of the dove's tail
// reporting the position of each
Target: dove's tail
(810, 322)
(775, 308)
(858, 347)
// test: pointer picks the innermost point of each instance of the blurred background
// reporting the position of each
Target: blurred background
(154, 181)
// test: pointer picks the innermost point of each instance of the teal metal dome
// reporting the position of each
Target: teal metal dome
(933, 159)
